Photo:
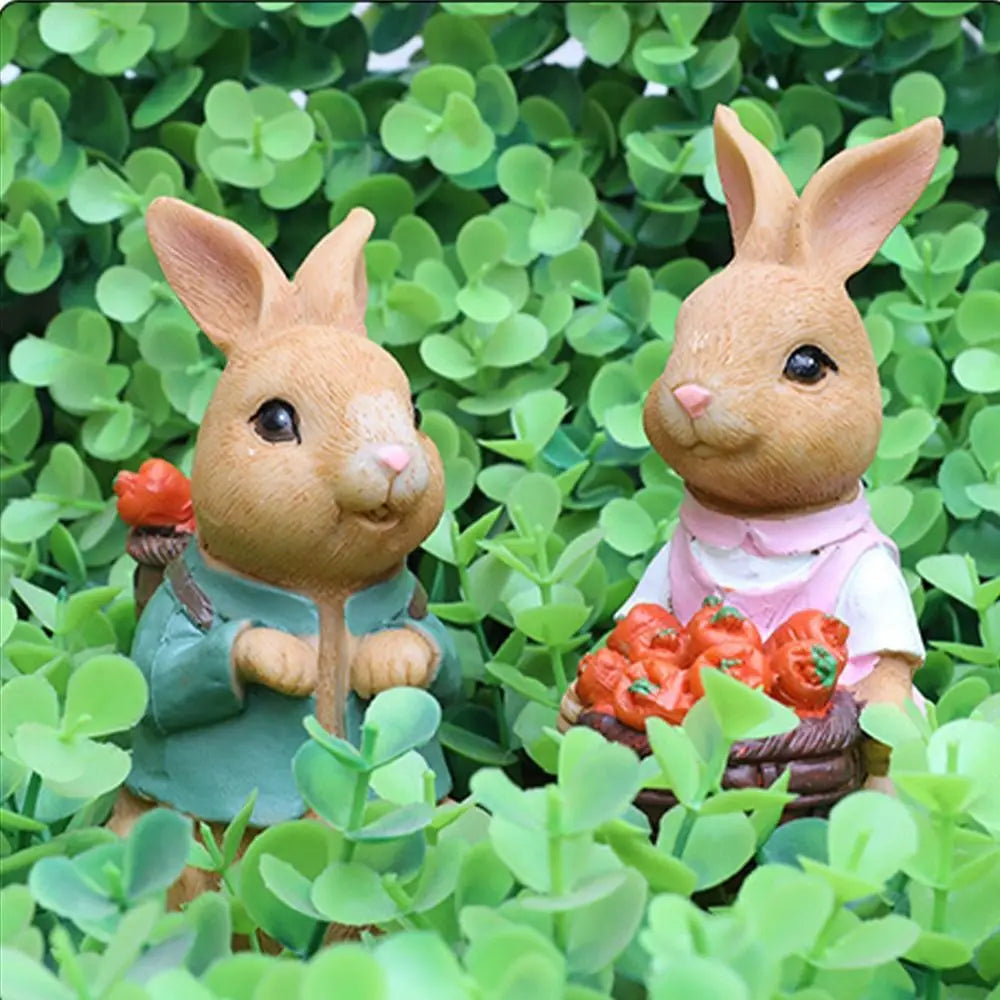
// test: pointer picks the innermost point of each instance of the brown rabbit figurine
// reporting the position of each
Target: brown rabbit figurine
(311, 484)
(770, 409)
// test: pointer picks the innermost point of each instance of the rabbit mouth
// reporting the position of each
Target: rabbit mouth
(381, 516)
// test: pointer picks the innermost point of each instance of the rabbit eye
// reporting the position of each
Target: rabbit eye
(808, 364)
(416, 414)
(276, 421)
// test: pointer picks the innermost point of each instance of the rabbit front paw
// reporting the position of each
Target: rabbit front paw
(277, 660)
(397, 657)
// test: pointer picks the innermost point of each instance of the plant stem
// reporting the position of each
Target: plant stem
(557, 875)
(28, 809)
(316, 941)
(545, 586)
(684, 832)
(358, 800)
(465, 589)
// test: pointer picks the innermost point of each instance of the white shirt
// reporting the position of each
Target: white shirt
(874, 601)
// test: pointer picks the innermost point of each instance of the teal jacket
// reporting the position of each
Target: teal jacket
(202, 747)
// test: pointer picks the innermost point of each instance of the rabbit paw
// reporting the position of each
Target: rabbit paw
(397, 657)
(277, 660)
(891, 680)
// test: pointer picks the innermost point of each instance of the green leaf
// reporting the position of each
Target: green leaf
(327, 785)
(959, 248)
(155, 852)
(587, 803)
(786, 908)
(306, 845)
(976, 315)
(352, 894)
(287, 136)
(952, 574)
(515, 341)
(743, 712)
(870, 943)
(717, 847)
(26, 520)
(241, 167)
(534, 502)
(357, 974)
(677, 758)
(401, 719)
(105, 695)
(603, 29)
(69, 28)
(627, 527)
(289, 885)
(229, 111)
(446, 356)
(904, 433)
(481, 244)
(871, 836)
(41, 603)
(916, 96)
(523, 172)
(978, 370)
(125, 294)
(22, 977)
(167, 96)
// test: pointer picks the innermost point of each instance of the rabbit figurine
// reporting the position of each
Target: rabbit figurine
(770, 409)
(311, 484)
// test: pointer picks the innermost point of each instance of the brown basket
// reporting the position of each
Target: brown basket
(823, 755)
(153, 549)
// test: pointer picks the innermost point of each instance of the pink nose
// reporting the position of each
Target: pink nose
(393, 456)
(693, 398)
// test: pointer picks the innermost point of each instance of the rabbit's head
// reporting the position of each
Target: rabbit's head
(310, 472)
(770, 400)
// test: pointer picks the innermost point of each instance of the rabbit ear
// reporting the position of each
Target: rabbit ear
(331, 285)
(759, 196)
(852, 204)
(229, 283)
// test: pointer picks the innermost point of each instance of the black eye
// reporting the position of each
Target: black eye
(416, 416)
(808, 364)
(276, 421)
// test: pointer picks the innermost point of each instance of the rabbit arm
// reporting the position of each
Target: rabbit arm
(277, 660)
(414, 648)
(891, 679)
(394, 657)
(189, 671)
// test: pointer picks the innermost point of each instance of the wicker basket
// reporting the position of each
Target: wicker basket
(823, 755)
(153, 549)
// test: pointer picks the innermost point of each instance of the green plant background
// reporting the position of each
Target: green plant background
(538, 226)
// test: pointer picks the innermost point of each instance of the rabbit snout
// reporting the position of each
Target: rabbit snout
(383, 479)
(698, 416)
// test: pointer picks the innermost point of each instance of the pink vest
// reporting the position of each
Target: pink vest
(837, 537)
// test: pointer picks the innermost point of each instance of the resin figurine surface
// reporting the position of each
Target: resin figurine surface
(311, 484)
(770, 408)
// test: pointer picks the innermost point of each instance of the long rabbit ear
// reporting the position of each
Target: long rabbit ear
(852, 204)
(229, 283)
(331, 285)
(759, 196)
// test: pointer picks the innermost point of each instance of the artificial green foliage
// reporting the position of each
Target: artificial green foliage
(538, 227)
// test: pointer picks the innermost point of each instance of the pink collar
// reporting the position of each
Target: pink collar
(791, 536)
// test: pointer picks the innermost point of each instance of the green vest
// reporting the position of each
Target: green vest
(202, 747)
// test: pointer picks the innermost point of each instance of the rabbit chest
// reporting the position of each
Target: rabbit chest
(835, 560)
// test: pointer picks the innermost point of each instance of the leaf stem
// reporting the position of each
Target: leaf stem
(557, 874)
(28, 808)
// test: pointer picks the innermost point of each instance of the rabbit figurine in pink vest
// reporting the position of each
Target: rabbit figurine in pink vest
(770, 408)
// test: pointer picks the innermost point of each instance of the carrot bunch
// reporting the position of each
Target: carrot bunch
(653, 665)
(157, 496)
